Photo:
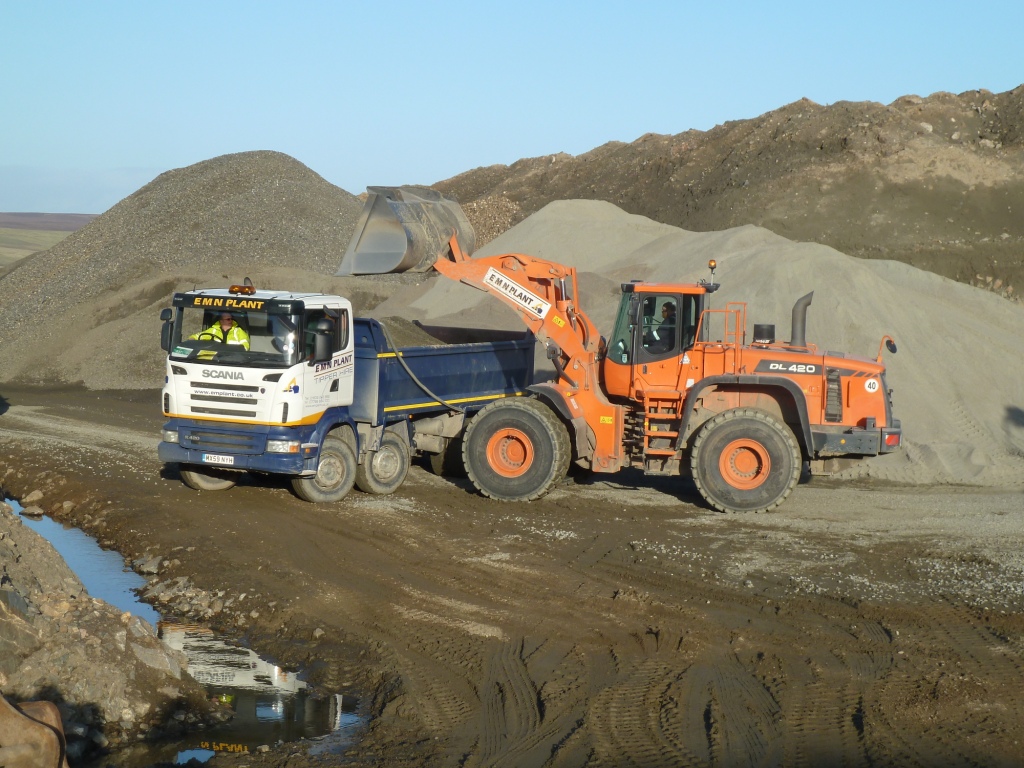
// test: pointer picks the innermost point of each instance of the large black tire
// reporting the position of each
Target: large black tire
(335, 474)
(516, 450)
(385, 469)
(744, 460)
(448, 463)
(199, 477)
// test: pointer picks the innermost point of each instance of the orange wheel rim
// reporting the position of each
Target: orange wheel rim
(510, 452)
(744, 464)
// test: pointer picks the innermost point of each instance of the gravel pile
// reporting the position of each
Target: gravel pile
(935, 182)
(87, 309)
(492, 216)
(956, 377)
(407, 334)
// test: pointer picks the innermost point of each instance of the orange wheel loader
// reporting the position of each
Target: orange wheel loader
(660, 394)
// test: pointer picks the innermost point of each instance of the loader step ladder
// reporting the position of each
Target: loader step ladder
(662, 420)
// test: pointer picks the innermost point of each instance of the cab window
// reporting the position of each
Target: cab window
(659, 333)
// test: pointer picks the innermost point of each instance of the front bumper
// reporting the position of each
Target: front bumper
(276, 463)
(242, 448)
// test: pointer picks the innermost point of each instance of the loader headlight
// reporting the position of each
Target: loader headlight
(169, 435)
(282, 446)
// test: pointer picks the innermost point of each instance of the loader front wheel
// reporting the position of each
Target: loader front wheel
(202, 478)
(744, 460)
(385, 469)
(335, 474)
(516, 450)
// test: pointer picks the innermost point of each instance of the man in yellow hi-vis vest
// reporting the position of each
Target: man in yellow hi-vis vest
(225, 330)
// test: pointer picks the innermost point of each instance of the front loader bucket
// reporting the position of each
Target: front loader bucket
(402, 229)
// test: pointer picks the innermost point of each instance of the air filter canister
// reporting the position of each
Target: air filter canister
(764, 333)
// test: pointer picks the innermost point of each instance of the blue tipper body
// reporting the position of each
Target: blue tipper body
(465, 375)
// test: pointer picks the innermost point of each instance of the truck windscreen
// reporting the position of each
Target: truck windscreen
(249, 338)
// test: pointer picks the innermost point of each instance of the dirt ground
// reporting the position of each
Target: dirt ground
(615, 622)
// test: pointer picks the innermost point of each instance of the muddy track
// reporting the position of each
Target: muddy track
(610, 623)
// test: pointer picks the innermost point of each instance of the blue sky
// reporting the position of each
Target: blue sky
(99, 97)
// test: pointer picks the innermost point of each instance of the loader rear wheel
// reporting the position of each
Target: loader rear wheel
(744, 460)
(202, 478)
(516, 450)
(335, 474)
(385, 469)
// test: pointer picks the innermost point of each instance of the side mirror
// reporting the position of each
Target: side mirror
(167, 330)
(165, 336)
(888, 343)
(323, 343)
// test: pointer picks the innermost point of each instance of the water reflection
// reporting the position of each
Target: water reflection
(270, 704)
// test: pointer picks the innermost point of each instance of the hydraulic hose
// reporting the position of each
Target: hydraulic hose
(420, 384)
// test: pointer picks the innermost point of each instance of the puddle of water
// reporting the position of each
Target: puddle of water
(270, 704)
(102, 571)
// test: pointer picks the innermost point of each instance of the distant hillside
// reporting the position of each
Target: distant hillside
(49, 222)
(935, 182)
(22, 234)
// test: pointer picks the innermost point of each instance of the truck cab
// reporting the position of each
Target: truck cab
(254, 397)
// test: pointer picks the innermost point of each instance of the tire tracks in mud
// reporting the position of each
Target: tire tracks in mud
(799, 680)
(510, 715)
(949, 659)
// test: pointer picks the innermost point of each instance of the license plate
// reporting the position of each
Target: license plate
(213, 458)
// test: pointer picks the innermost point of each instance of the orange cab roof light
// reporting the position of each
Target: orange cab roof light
(244, 290)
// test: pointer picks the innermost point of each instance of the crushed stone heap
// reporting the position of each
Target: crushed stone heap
(91, 303)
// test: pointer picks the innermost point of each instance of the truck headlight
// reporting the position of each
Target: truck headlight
(169, 435)
(282, 446)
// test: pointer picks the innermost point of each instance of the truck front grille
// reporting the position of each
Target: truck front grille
(204, 397)
(221, 442)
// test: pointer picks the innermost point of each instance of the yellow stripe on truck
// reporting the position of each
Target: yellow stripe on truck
(311, 419)
(427, 403)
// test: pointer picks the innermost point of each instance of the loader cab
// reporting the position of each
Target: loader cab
(654, 326)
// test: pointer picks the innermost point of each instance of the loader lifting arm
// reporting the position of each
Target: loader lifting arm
(416, 228)
(544, 295)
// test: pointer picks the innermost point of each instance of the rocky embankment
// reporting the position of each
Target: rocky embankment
(113, 680)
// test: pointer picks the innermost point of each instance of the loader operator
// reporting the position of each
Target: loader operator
(224, 330)
(663, 337)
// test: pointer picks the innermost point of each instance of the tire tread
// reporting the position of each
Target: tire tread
(712, 425)
(560, 444)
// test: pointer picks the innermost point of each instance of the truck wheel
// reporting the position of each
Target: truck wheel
(516, 450)
(744, 460)
(202, 478)
(448, 463)
(334, 476)
(385, 469)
